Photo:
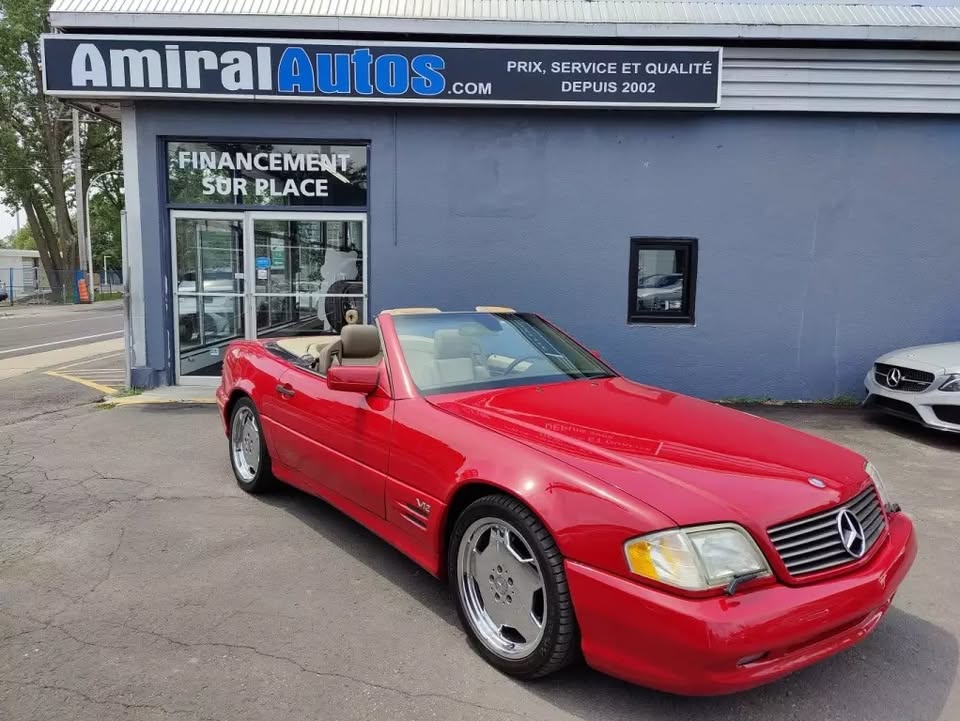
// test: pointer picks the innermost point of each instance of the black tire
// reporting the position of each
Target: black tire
(263, 480)
(560, 643)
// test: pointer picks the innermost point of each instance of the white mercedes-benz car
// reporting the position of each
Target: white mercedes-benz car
(920, 384)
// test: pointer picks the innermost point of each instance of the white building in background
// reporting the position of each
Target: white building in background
(21, 272)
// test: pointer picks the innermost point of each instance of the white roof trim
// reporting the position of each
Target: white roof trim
(624, 19)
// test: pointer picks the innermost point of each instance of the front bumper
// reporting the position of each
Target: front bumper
(920, 407)
(698, 647)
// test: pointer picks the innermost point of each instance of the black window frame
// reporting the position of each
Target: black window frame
(687, 315)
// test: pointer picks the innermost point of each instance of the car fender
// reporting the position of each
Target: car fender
(450, 462)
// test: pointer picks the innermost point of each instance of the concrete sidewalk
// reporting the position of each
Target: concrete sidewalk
(167, 394)
(19, 365)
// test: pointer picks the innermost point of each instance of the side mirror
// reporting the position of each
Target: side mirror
(354, 379)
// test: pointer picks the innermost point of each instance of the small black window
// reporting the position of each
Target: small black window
(663, 278)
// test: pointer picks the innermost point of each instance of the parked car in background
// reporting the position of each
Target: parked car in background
(3, 294)
(672, 542)
(663, 291)
(221, 308)
(920, 384)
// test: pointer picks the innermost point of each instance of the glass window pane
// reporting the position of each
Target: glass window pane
(306, 314)
(309, 256)
(207, 325)
(660, 280)
(266, 173)
(211, 250)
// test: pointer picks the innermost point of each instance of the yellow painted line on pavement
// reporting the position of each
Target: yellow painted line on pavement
(84, 382)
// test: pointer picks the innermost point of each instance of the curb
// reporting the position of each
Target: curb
(111, 400)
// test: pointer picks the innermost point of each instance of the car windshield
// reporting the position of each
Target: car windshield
(449, 352)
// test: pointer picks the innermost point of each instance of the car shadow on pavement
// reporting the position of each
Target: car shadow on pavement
(908, 430)
(904, 671)
(366, 547)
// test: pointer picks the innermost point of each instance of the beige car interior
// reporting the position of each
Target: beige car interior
(448, 358)
(357, 345)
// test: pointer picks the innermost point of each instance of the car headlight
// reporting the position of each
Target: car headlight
(878, 483)
(952, 383)
(696, 558)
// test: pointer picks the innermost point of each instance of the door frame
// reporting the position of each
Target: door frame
(174, 278)
(249, 295)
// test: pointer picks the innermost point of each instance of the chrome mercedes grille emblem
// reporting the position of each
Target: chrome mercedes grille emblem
(851, 533)
(894, 377)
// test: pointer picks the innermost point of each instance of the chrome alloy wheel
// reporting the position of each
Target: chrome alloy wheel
(501, 588)
(245, 444)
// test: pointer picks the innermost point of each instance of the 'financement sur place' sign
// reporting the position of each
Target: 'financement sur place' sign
(100, 66)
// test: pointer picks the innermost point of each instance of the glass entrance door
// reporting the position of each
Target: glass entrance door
(262, 274)
(310, 272)
(208, 251)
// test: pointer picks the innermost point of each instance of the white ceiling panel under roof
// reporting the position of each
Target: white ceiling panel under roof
(887, 20)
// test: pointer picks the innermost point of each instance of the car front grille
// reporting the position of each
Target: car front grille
(814, 544)
(910, 379)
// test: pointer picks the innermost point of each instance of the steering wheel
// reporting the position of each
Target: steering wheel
(520, 360)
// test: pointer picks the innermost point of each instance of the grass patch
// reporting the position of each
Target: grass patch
(748, 401)
(845, 400)
(115, 295)
(127, 392)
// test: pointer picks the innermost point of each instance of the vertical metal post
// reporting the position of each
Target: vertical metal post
(88, 236)
(125, 290)
(80, 197)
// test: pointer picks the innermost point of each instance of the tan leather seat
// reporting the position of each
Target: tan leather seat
(359, 345)
(454, 359)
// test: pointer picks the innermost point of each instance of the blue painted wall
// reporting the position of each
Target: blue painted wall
(824, 239)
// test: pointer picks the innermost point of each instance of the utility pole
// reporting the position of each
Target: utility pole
(80, 199)
(89, 240)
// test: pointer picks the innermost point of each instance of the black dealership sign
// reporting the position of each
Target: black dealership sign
(98, 66)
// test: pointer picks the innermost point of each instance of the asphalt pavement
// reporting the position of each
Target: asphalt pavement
(137, 582)
(35, 328)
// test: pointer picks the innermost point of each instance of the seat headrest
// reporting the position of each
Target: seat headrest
(450, 344)
(359, 341)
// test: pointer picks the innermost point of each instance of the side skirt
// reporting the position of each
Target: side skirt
(407, 544)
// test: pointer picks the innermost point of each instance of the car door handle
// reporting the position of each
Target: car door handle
(285, 390)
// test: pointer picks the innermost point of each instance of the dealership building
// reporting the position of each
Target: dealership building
(726, 199)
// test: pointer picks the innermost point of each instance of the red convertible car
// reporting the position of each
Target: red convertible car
(669, 541)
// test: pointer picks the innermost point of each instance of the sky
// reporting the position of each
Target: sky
(8, 223)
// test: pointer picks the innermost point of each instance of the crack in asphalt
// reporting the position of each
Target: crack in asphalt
(19, 472)
(300, 666)
(106, 701)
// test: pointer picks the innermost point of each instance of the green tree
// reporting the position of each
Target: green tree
(105, 207)
(36, 144)
(19, 239)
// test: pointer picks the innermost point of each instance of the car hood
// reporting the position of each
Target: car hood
(939, 357)
(695, 461)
